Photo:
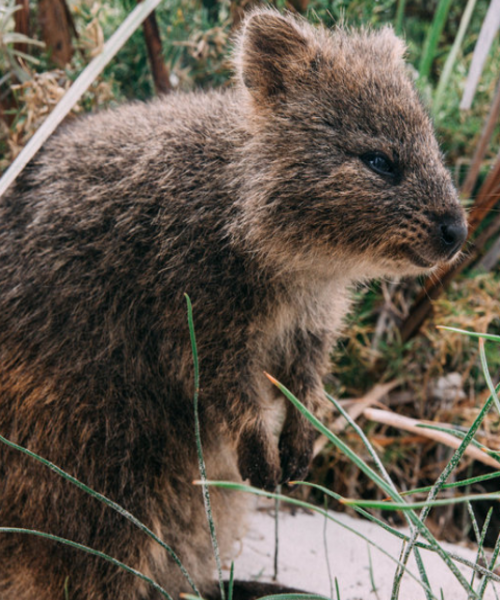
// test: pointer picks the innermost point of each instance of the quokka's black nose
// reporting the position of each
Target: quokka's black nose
(453, 235)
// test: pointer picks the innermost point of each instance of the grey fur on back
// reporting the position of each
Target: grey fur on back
(265, 203)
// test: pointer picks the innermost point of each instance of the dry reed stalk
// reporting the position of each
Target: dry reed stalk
(412, 425)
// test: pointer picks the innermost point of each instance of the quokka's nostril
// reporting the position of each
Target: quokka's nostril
(453, 235)
(448, 234)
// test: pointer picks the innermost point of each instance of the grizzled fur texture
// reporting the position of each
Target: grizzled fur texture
(265, 203)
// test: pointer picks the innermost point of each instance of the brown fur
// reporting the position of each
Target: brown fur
(261, 204)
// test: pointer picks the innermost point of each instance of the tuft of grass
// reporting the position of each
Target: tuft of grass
(379, 476)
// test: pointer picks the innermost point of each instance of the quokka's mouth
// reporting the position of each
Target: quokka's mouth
(418, 260)
(426, 262)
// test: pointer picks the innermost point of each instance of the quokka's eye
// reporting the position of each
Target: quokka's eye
(380, 163)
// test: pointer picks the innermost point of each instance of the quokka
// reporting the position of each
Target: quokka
(266, 203)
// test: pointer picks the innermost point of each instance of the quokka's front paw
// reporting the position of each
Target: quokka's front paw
(296, 450)
(258, 459)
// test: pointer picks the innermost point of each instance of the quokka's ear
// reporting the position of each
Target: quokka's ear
(270, 51)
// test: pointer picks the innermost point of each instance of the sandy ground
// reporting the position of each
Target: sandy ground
(303, 563)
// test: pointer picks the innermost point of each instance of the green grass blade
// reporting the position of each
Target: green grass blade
(400, 13)
(60, 540)
(201, 461)
(364, 513)
(487, 376)
(473, 334)
(450, 60)
(325, 547)
(491, 566)
(495, 454)
(116, 507)
(366, 442)
(393, 531)
(382, 505)
(453, 462)
(400, 571)
(230, 587)
(276, 533)
(455, 432)
(397, 533)
(340, 444)
(484, 530)
(241, 487)
(474, 566)
(372, 575)
(423, 572)
(479, 536)
(375, 456)
(431, 42)
(455, 484)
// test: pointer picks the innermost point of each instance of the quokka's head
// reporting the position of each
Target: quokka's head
(342, 160)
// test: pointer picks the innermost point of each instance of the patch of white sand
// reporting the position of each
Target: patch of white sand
(303, 563)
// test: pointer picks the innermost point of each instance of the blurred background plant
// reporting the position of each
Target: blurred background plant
(391, 337)
(12, 44)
